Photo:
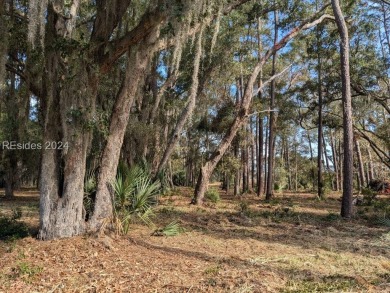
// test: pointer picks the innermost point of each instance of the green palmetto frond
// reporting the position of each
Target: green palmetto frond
(144, 196)
(135, 194)
(89, 182)
(172, 229)
(122, 192)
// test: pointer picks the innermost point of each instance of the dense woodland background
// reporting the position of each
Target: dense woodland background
(194, 146)
(246, 93)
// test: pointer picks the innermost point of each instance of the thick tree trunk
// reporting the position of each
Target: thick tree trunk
(139, 56)
(63, 168)
(346, 207)
(202, 183)
(68, 105)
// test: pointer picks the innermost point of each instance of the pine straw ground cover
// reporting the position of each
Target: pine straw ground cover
(293, 244)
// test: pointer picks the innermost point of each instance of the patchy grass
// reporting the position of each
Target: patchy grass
(294, 243)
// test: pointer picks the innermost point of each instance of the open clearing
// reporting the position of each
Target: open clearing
(293, 244)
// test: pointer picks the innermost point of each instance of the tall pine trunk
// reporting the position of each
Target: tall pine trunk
(272, 121)
(260, 156)
(346, 207)
(320, 182)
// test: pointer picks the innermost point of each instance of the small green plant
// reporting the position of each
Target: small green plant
(11, 228)
(243, 207)
(369, 196)
(334, 283)
(274, 201)
(382, 206)
(168, 211)
(26, 269)
(135, 194)
(213, 195)
(245, 210)
(172, 229)
(331, 217)
(179, 178)
(383, 222)
(212, 270)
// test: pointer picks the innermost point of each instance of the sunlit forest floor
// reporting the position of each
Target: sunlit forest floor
(294, 243)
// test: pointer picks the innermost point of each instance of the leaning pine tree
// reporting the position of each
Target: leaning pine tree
(243, 111)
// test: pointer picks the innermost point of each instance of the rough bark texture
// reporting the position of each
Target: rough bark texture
(346, 207)
(63, 169)
(272, 121)
(67, 106)
(320, 182)
(139, 56)
(260, 133)
(260, 158)
(68, 102)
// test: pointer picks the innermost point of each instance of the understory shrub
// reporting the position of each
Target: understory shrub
(179, 178)
(213, 195)
(369, 196)
(11, 228)
(134, 196)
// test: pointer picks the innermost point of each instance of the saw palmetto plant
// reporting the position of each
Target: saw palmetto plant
(134, 196)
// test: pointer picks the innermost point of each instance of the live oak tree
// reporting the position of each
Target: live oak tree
(80, 45)
(79, 50)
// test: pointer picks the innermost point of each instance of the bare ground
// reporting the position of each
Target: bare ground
(293, 244)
